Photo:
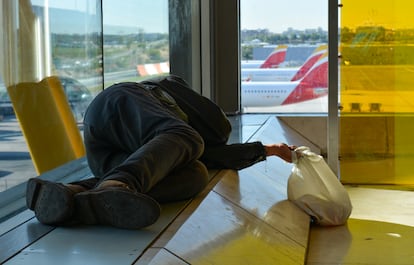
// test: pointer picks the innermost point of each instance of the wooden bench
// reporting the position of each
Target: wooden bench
(242, 216)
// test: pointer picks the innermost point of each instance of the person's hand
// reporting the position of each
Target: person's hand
(281, 150)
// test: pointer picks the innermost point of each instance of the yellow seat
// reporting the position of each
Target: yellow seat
(47, 123)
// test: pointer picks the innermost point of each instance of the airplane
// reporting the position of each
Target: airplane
(272, 61)
(283, 74)
(270, 94)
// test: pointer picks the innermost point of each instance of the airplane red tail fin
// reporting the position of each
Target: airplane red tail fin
(318, 75)
(313, 85)
(275, 58)
(313, 58)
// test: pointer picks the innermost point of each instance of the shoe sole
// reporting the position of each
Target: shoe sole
(51, 202)
(117, 207)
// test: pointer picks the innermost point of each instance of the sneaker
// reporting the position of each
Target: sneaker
(52, 202)
(116, 206)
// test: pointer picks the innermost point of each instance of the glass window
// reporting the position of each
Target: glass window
(376, 88)
(136, 43)
(57, 55)
(283, 56)
(49, 72)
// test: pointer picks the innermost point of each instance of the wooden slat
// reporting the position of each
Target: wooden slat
(93, 244)
(23, 235)
(220, 232)
(240, 217)
(245, 218)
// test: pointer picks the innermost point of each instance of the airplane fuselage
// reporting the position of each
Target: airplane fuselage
(253, 64)
(265, 93)
(268, 74)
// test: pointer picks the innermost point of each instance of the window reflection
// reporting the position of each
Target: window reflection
(44, 40)
(67, 40)
(136, 43)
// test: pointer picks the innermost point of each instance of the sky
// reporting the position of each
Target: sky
(150, 15)
(275, 15)
(278, 15)
(145, 14)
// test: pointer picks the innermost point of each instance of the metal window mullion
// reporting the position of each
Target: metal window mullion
(333, 118)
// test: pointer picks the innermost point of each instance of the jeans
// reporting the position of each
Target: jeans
(131, 136)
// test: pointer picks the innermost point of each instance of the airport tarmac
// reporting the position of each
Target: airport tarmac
(377, 88)
(318, 105)
(15, 163)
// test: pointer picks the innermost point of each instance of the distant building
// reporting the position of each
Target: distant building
(295, 55)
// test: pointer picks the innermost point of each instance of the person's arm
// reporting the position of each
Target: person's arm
(241, 155)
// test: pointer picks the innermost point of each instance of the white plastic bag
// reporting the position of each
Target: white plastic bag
(314, 188)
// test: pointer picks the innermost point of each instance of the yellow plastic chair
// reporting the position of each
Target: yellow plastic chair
(47, 123)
